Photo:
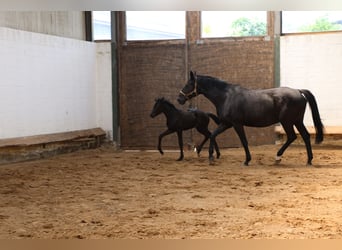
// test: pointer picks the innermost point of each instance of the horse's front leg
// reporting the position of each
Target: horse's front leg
(242, 135)
(180, 143)
(221, 128)
(167, 132)
(218, 154)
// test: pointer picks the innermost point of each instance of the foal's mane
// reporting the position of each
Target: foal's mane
(167, 102)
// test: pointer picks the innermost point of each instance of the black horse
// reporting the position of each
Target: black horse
(179, 120)
(238, 107)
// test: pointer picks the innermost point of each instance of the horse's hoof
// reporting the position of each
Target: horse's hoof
(218, 155)
(309, 164)
(211, 161)
(180, 158)
(277, 160)
(245, 164)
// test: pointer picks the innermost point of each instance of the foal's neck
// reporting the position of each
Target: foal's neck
(169, 111)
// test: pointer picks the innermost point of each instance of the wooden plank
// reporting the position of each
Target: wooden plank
(50, 138)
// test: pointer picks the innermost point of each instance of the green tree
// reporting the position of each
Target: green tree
(207, 29)
(246, 27)
(321, 24)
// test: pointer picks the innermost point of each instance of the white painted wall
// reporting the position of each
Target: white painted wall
(104, 107)
(47, 84)
(314, 62)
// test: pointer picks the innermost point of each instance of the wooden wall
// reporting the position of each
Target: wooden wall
(152, 69)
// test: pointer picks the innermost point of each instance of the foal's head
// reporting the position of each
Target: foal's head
(190, 89)
(159, 106)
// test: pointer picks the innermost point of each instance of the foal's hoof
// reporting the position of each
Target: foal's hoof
(197, 151)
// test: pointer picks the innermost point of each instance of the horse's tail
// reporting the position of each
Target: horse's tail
(315, 114)
(215, 118)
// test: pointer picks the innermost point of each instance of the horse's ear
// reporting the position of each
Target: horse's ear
(192, 75)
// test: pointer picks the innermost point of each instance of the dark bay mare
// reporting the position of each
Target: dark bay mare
(237, 107)
(178, 120)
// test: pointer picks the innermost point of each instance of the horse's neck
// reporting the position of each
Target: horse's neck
(169, 111)
(212, 91)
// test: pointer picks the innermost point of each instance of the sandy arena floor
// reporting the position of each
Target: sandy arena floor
(104, 193)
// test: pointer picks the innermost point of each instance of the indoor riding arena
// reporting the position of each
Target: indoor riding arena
(79, 154)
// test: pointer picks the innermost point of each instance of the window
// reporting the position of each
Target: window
(155, 25)
(233, 23)
(101, 25)
(311, 21)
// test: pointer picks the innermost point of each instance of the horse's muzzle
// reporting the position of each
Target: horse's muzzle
(181, 99)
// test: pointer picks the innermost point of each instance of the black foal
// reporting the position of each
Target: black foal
(179, 120)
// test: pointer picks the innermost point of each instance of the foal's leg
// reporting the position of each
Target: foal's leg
(306, 137)
(166, 132)
(242, 135)
(206, 133)
(207, 136)
(199, 148)
(180, 142)
(221, 128)
(291, 136)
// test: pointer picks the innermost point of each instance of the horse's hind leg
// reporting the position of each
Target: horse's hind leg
(306, 137)
(291, 136)
(180, 143)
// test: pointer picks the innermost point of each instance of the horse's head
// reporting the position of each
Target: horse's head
(190, 89)
(158, 107)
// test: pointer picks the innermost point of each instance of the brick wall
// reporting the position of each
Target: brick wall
(148, 72)
(249, 63)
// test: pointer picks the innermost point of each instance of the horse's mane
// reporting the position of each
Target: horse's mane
(220, 84)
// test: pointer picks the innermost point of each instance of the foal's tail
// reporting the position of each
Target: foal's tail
(215, 118)
(315, 114)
